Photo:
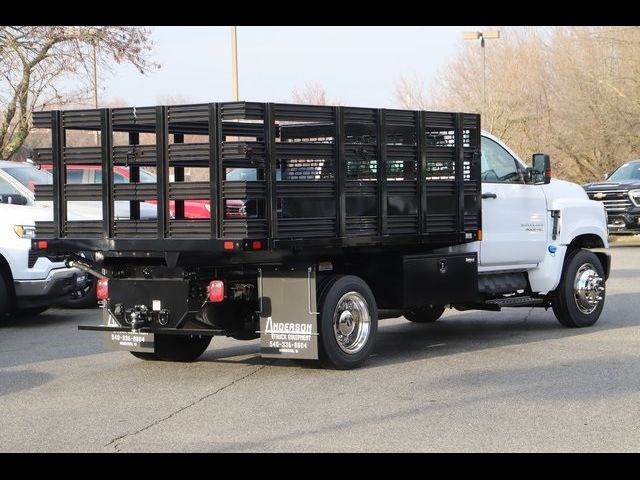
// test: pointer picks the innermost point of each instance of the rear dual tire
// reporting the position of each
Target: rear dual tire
(176, 348)
(426, 314)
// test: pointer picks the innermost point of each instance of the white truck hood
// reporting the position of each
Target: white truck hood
(23, 214)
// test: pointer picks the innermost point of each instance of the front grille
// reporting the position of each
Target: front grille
(613, 200)
(615, 221)
(34, 255)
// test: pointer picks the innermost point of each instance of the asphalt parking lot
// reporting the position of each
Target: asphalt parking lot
(474, 381)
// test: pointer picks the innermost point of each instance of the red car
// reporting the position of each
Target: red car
(192, 208)
(93, 174)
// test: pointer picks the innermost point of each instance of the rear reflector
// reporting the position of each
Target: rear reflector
(215, 292)
(256, 245)
(102, 288)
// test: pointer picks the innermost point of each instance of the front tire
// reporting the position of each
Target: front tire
(347, 323)
(5, 297)
(579, 298)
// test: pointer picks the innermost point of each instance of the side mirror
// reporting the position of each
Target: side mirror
(13, 199)
(541, 169)
(605, 176)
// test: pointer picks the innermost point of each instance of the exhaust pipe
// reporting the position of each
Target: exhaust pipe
(84, 267)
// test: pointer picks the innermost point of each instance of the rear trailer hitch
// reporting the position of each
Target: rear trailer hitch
(137, 317)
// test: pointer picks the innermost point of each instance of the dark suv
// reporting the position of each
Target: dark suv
(620, 193)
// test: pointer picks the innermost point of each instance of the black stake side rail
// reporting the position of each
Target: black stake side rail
(324, 177)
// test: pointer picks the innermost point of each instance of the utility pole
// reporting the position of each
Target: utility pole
(234, 64)
(489, 34)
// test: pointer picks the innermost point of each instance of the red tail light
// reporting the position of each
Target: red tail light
(42, 244)
(102, 289)
(215, 292)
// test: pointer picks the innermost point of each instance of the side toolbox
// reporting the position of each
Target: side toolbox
(439, 279)
(423, 279)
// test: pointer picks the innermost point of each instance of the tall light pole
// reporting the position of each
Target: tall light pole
(489, 35)
(95, 84)
(234, 63)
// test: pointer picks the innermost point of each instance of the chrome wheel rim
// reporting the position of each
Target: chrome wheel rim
(351, 322)
(588, 288)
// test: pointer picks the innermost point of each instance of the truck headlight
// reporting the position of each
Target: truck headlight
(25, 231)
(634, 195)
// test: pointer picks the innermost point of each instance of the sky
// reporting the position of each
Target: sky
(356, 65)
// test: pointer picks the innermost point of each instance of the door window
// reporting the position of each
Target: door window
(117, 177)
(498, 165)
(75, 175)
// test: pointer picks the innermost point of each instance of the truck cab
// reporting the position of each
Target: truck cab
(532, 231)
(529, 225)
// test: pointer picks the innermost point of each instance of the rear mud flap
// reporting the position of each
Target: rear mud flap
(288, 317)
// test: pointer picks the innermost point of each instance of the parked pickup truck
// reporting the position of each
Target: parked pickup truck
(356, 214)
(29, 281)
(620, 195)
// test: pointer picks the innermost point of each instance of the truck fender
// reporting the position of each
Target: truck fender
(582, 224)
(580, 217)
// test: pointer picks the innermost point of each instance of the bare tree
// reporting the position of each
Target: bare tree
(174, 100)
(34, 60)
(312, 94)
(410, 93)
(573, 92)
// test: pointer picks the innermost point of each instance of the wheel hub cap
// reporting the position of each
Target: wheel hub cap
(346, 324)
(588, 288)
(351, 322)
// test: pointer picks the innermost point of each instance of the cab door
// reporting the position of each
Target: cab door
(514, 213)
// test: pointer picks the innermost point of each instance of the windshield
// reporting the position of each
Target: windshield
(6, 188)
(30, 176)
(628, 171)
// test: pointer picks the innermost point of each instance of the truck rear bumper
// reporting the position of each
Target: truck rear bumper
(162, 331)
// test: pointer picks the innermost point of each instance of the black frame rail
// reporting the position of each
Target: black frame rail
(312, 176)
